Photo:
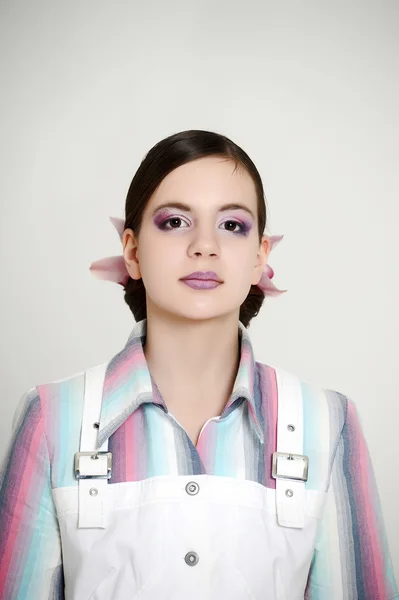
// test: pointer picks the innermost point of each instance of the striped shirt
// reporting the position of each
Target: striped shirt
(351, 558)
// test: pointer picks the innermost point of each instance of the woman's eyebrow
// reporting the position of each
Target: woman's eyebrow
(187, 208)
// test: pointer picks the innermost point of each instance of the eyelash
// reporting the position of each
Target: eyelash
(241, 225)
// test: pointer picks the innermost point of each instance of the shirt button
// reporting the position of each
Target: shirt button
(93, 491)
(289, 493)
(192, 488)
(291, 427)
(191, 558)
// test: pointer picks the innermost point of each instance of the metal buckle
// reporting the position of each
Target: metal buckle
(290, 470)
(94, 455)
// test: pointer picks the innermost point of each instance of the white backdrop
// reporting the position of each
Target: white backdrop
(309, 89)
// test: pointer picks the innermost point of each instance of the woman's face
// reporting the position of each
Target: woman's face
(175, 241)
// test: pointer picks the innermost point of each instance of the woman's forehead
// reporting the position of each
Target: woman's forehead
(210, 181)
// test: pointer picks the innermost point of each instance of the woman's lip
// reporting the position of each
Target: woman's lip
(199, 279)
(201, 283)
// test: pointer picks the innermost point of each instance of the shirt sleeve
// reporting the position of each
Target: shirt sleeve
(30, 543)
(351, 559)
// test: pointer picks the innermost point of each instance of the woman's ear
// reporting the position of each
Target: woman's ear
(130, 253)
(261, 259)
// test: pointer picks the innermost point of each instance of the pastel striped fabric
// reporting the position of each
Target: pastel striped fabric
(351, 557)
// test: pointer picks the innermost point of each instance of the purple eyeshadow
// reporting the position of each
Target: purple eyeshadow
(161, 218)
(246, 226)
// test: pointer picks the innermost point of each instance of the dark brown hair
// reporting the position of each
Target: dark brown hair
(168, 154)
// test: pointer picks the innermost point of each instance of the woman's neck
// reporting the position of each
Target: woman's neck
(193, 363)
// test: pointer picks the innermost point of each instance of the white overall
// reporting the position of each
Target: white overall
(195, 537)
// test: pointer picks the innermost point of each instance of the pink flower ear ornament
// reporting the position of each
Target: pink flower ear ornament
(113, 268)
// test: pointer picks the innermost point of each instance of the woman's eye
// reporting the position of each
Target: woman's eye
(171, 220)
(234, 223)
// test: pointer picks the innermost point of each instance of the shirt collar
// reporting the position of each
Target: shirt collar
(128, 383)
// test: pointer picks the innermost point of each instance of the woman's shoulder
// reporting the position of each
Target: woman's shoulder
(56, 395)
(318, 401)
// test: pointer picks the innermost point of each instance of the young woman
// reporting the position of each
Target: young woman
(183, 468)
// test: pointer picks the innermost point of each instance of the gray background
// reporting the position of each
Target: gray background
(309, 89)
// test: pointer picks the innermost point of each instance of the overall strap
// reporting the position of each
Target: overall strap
(92, 464)
(290, 466)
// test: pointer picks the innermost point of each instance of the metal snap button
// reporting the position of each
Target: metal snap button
(291, 427)
(93, 491)
(192, 488)
(191, 558)
(289, 493)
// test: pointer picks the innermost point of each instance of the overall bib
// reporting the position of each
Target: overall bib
(195, 537)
